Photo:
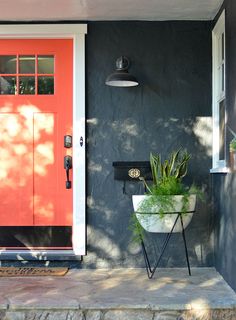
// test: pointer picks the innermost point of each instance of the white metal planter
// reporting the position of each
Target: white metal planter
(153, 222)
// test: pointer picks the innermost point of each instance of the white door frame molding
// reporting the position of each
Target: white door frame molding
(76, 32)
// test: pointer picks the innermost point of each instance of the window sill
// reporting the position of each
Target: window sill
(220, 170)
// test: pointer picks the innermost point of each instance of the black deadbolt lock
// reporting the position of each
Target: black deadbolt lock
(67, 141)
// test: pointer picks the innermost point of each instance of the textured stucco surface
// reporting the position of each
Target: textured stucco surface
(170, 108)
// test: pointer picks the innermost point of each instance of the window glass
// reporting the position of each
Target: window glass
(222, 130)
(27, 64)
(26, 85)
(8, 85)
(45, 64)
(25, 73)
(218, 96)
(223, 46)
(223, 78)
(45, 85)
(8, 64)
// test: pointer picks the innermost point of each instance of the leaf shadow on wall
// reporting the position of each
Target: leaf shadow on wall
(109, 210)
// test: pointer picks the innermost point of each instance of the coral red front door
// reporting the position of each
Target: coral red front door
(35, 114)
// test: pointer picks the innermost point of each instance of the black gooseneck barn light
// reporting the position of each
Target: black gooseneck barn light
(121, 77)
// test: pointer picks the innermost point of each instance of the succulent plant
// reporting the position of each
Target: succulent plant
(167, 175)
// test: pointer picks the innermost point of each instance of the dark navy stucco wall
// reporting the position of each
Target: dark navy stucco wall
(170, 108)
(225, 185)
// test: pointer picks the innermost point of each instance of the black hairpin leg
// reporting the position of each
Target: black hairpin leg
(149, 269)
(185, 245)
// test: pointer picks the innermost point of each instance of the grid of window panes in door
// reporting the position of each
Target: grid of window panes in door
(26, 74)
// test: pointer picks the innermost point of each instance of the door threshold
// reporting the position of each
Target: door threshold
(39, 255)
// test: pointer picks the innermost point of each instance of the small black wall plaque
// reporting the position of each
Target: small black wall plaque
(131, 170)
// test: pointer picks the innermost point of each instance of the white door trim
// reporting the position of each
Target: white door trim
(77, 33)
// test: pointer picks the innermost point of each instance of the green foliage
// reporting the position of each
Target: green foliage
(167, 175)
(136, 229)
(168, 186)
(232, 144)
(196, 190)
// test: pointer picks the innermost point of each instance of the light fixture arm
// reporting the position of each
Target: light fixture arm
(122, 63)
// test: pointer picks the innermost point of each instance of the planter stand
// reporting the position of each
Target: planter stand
(151, 270)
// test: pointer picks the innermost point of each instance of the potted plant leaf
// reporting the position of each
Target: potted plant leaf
(232, 150)
(166, 195)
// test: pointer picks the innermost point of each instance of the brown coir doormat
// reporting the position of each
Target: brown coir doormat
(29, 272)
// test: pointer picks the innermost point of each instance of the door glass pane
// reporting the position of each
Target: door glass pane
(27, 64)
(45, 64)
(222, 130)
(8, 64)
(7, 85)
(45, 85)
(26, 85)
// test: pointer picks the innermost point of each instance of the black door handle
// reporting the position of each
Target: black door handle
(68, 166)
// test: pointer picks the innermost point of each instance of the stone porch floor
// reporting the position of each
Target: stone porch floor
(119, 294)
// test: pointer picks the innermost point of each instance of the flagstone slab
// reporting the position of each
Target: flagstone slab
(119, 294)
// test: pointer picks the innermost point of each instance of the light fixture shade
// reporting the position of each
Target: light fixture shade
(121, 77)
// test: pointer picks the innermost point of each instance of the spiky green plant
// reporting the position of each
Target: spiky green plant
(167, 175)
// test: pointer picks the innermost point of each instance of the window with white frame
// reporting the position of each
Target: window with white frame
(218, 96)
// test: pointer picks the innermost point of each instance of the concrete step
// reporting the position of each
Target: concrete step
(119, 294)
